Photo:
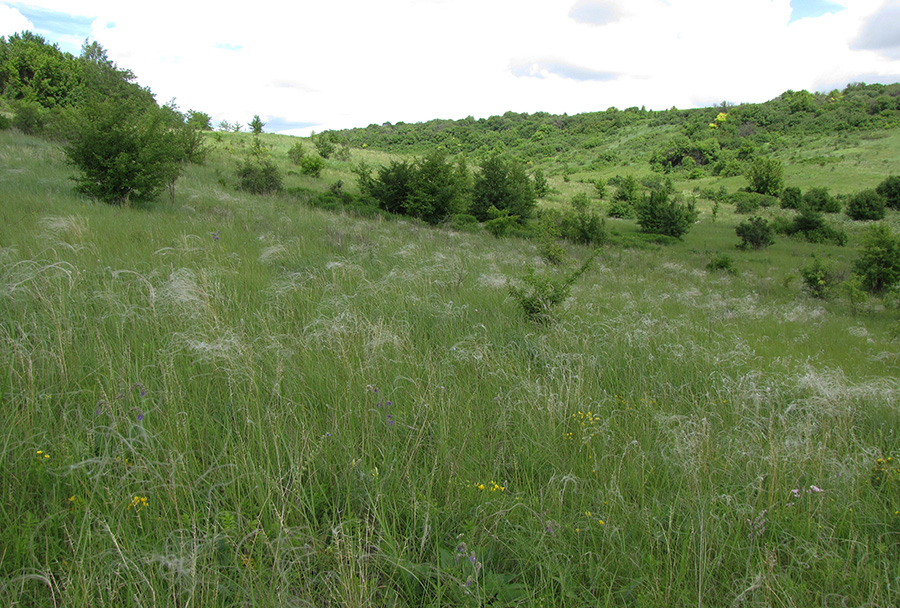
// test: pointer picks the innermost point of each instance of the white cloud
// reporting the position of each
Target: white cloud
(346, 63)
(12, 21)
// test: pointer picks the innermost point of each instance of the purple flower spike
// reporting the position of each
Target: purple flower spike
(140, 417)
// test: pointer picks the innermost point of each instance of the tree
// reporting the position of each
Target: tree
(435, 192)
(256, 125)
(124, 154)
(503, 184)
(890, 190)
(657, 214)
(878, 265)
(866, 205)
(766, 176)
(200, 121)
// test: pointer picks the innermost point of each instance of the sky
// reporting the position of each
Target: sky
(307, 65)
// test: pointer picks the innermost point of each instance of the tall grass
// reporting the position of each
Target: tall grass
(236, 400)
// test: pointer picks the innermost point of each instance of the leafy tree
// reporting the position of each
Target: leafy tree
(33, 70)
(766, 176)
(657, 214)
(890, 190)
(256, 125)
(878, 265)
(502, 183)
(123, 153)
(201, 121)
(866, 205)
(312, 165)
(755, 233)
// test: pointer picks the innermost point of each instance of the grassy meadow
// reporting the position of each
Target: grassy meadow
(236, 400)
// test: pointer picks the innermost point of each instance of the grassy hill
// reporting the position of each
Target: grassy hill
(230, 399)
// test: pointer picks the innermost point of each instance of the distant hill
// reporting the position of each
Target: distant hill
(709, 136)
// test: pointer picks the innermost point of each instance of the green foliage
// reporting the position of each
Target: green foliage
(256, 125)
(201, 121)
(540, 295)
(29, 117)
(657, 214)
(748, 202)
(791, 198)
(723, 262)
(810, 225)
(296, 153)
(312, 165)
(819, 199)
(878, 265)
(123, 154)
(502, 183)
(548, 233)
(324, 145)
(755, 233)
(435, 191)
(429, 188)
(541, 185)
(889, 189)
(685, 153)
(257, 172)
(501, 220)
(819, 277)
(866, 205)
(766, 176)
(627, 195)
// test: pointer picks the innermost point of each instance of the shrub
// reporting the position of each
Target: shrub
(656, 214)
(542, 294)
(324, 146)
(820, 200)
(548, 234)
(890, 190)
(866, 205)
(810, 225)
(748, 202)
(619, 208)
(878, 265)
(582, 224)
(722, 262)
(755, 233)
(503, 184)
(464, 222)
(257, 173)
(791, 198)
(500, 221)
(312, 165)
(123, 153)
(818, 277)
(296, 153)
(766, 176)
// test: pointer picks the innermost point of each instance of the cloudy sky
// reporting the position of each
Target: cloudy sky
(307, 65)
